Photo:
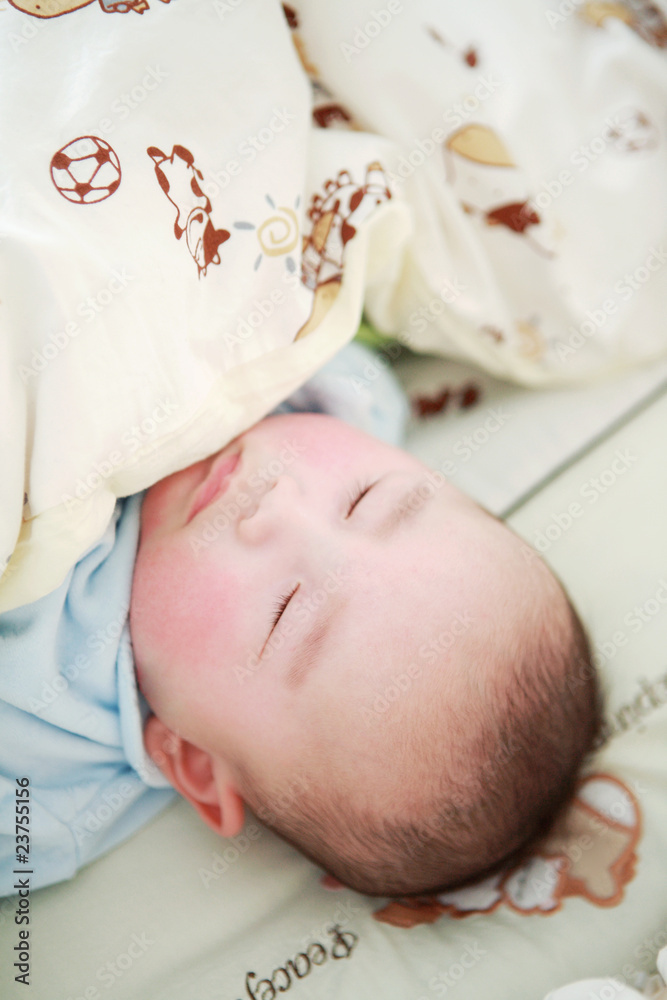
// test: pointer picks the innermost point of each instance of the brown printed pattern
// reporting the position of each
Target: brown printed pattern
(334, 216)
(86, 170)
(590, 853)
(56, 8)
(641, 16)
(179, 178)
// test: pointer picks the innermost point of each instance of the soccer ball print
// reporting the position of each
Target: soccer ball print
(86, 170)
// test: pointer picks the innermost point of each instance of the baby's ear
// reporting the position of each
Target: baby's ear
(202, 779)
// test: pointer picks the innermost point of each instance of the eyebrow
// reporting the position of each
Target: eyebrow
(310, 648)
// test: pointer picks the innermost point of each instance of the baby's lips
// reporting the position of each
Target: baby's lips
(215, 483)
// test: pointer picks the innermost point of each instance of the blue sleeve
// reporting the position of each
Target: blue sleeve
(71, 716)
(358, 386)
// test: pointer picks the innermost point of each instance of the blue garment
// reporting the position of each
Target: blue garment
(71, 714)
(358, 386)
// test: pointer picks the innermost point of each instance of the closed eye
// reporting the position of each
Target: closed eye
(359, 492)
(280, 608)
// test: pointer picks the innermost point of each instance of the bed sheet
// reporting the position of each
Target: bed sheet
(176, 913)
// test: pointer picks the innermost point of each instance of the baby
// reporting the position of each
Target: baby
(329, 632)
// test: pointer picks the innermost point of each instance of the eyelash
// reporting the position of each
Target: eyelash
(280, 607)
(359, 492)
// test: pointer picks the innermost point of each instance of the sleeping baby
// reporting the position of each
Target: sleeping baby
(324, 630)
(332, 634)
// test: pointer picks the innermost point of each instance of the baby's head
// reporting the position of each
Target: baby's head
(331, 633)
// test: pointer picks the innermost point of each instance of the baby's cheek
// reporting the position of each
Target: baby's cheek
(204, 603)
(183, 608)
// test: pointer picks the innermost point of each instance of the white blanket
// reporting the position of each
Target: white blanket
(187, 234)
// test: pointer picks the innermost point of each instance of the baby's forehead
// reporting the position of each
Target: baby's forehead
(438, 601)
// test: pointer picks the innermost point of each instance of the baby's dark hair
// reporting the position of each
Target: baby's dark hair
(483, 804)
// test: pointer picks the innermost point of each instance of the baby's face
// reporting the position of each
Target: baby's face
(307, 575)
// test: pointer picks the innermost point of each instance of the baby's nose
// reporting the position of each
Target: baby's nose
(275, 510)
